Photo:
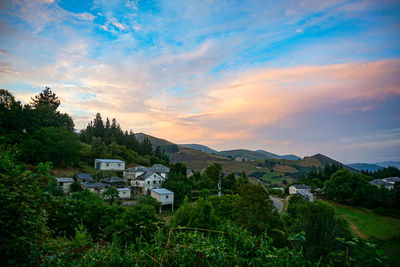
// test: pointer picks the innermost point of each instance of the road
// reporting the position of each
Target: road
(277, 203)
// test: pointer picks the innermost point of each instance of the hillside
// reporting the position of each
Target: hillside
(365, 166)
(275, 156)
(165, 145)
(197, 160)
(243, 153)
(319, 160)
(201, 148)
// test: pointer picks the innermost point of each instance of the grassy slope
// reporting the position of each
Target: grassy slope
(366, 224)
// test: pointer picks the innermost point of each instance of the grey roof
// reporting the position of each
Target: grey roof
(391, 179)
(380, 182)
(64, 180)
(302, 186)
(110, 160)
(162, 191)
(93, 185)
(146, 175)
(159, 168)
(113, 179)
(85, 176)
(137, 169)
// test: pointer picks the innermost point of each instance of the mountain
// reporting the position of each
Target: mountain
(319, 160)
(389, 163)
(242, 153)
(275, 156)
(165, 145)
(365, 166)
(198, 147)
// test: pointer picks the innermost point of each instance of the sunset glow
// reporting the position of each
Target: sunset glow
(298, 77)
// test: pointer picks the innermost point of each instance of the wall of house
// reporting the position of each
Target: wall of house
(65, 186)
(153, 182)
(124, 194)
(292, 190)
(111, 166)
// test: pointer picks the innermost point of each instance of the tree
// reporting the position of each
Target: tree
(75, 187)
(198, 215)
(254, 210)
(229, 182)
(344, 186)
(111, 195)
(57, 145)
(214, 173)
(23, 213)
(180, 185)
(46, 98)
(97, 147)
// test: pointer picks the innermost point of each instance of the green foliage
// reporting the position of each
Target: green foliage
(321, 225)
(23, 210)
(228, 183)
(75, 187)
(111, 195)
(198, 215)
(54, 189)
(57, 145)
(137, 222)
(254, 209)
(151, 202)
(180, 185)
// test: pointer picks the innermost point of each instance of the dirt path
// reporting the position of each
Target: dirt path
(354, 229)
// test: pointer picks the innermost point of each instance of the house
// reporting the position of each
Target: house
(94, 187)
(84, 178)
(65, 183)
(302, 190)
(109, 164)
(123, 193)
(388, 182)
(164, 196)
(294, 189)
(142, 179)
(147, 181)
(114, 181)
(160, 170)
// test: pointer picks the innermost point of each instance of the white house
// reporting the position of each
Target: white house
(65, 183)
(296, 188)
(133, 173)
(164, 196)
(109, 164)
(301, 190)
(123, 193)
(147, 181)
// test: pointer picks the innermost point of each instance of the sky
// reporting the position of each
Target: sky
(289, 77)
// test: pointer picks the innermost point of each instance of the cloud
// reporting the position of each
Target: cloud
(3, 52)
(85, 16)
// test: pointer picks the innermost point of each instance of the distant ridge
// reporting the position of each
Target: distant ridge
(389, 163)
(365, 166)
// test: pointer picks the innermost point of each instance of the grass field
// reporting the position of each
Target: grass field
(368, 225)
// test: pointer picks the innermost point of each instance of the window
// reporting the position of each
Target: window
(154, 182)
(166, 196)
(148, 182)
(154, 176)
(137, 182)
(108, 164)
(119, 164)
(160, 181)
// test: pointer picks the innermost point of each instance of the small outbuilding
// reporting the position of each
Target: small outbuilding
(65, 183)
(164, 196)
(94, 187)
(109, 165)
(84, 178)
(114, 181)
